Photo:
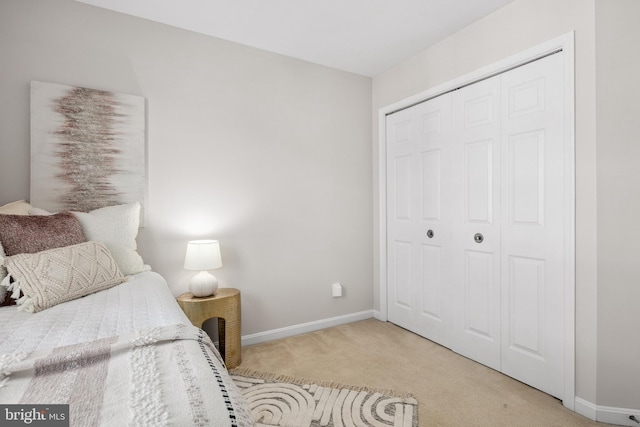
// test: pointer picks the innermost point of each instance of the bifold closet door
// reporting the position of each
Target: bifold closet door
(419, 218)
(534, 218)
(476, 221)
(475, 273)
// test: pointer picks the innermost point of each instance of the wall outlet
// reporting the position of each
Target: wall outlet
(336, 290)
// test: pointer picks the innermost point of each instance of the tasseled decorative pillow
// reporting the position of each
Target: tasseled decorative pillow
(58, 275)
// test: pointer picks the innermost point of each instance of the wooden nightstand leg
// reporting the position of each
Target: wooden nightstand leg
(231, 342)
(222, 338)
(232, 355)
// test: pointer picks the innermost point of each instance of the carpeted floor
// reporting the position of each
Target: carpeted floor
(278, 400)
(451, 390)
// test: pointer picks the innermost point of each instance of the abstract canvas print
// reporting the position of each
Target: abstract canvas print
(87, 148)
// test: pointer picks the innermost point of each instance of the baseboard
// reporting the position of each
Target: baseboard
(377, 314)
(585, 408)
(611, 415)
(607, 414)
(302, 328)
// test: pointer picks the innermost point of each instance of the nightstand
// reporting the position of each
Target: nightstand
(225, 305)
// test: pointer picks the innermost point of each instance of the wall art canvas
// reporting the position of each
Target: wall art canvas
(87, 148)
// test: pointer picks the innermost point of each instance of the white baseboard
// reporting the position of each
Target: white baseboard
(611, 415)
(377, 314)
(302, 328)
(607, 414)
(585, 408)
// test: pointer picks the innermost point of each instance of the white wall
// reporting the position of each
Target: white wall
(618, 89)
(268, 154)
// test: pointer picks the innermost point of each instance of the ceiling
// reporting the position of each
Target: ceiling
(361, 36)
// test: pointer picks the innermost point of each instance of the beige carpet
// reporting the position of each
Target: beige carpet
(277, 400)
(451, 390)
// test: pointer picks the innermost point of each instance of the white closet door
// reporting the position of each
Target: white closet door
(534, 218)
(475, 203)
(419, 231)
(401, 292)
(482, 167)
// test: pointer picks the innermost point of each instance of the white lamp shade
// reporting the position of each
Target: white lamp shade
(202, 255)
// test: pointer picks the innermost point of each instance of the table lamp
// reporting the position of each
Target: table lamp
(203, 255)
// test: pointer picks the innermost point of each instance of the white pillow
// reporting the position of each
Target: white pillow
(116, 227)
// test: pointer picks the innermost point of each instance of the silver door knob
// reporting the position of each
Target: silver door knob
(478, 237)
(430, 234)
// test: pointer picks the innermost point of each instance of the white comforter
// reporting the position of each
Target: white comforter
(142, 302)
(125, 356)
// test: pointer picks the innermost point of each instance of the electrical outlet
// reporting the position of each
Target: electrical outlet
(336, 290)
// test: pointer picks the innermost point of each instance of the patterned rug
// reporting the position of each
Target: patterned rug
(284, 401)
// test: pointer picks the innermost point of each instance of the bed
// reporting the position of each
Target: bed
(124, 354)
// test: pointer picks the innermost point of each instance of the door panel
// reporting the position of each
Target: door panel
(431, 184)
(526, 175)
(434, 231)
(402, 274)
(533, 236)
(402, 188)
(478, 294)
(476, 265)
(526, 306)
(400, 213)
(478, 192)
(431, 267)
(416, 158)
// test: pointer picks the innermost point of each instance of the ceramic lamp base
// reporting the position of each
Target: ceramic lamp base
(203, 284)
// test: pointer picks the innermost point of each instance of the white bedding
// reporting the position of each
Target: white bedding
(142, 302)
(123, 356)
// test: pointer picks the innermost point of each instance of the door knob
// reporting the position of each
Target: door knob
(479, 238)
(430, 234)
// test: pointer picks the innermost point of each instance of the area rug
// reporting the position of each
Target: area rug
(277, 400)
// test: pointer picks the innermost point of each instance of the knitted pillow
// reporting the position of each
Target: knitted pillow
(29, 234)
(58, 275)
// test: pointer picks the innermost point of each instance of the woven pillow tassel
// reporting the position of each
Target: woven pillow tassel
(25, 303)
(4, 287)
(12, 286)
(6, 282)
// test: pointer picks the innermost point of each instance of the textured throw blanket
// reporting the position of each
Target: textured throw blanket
(166, 376)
